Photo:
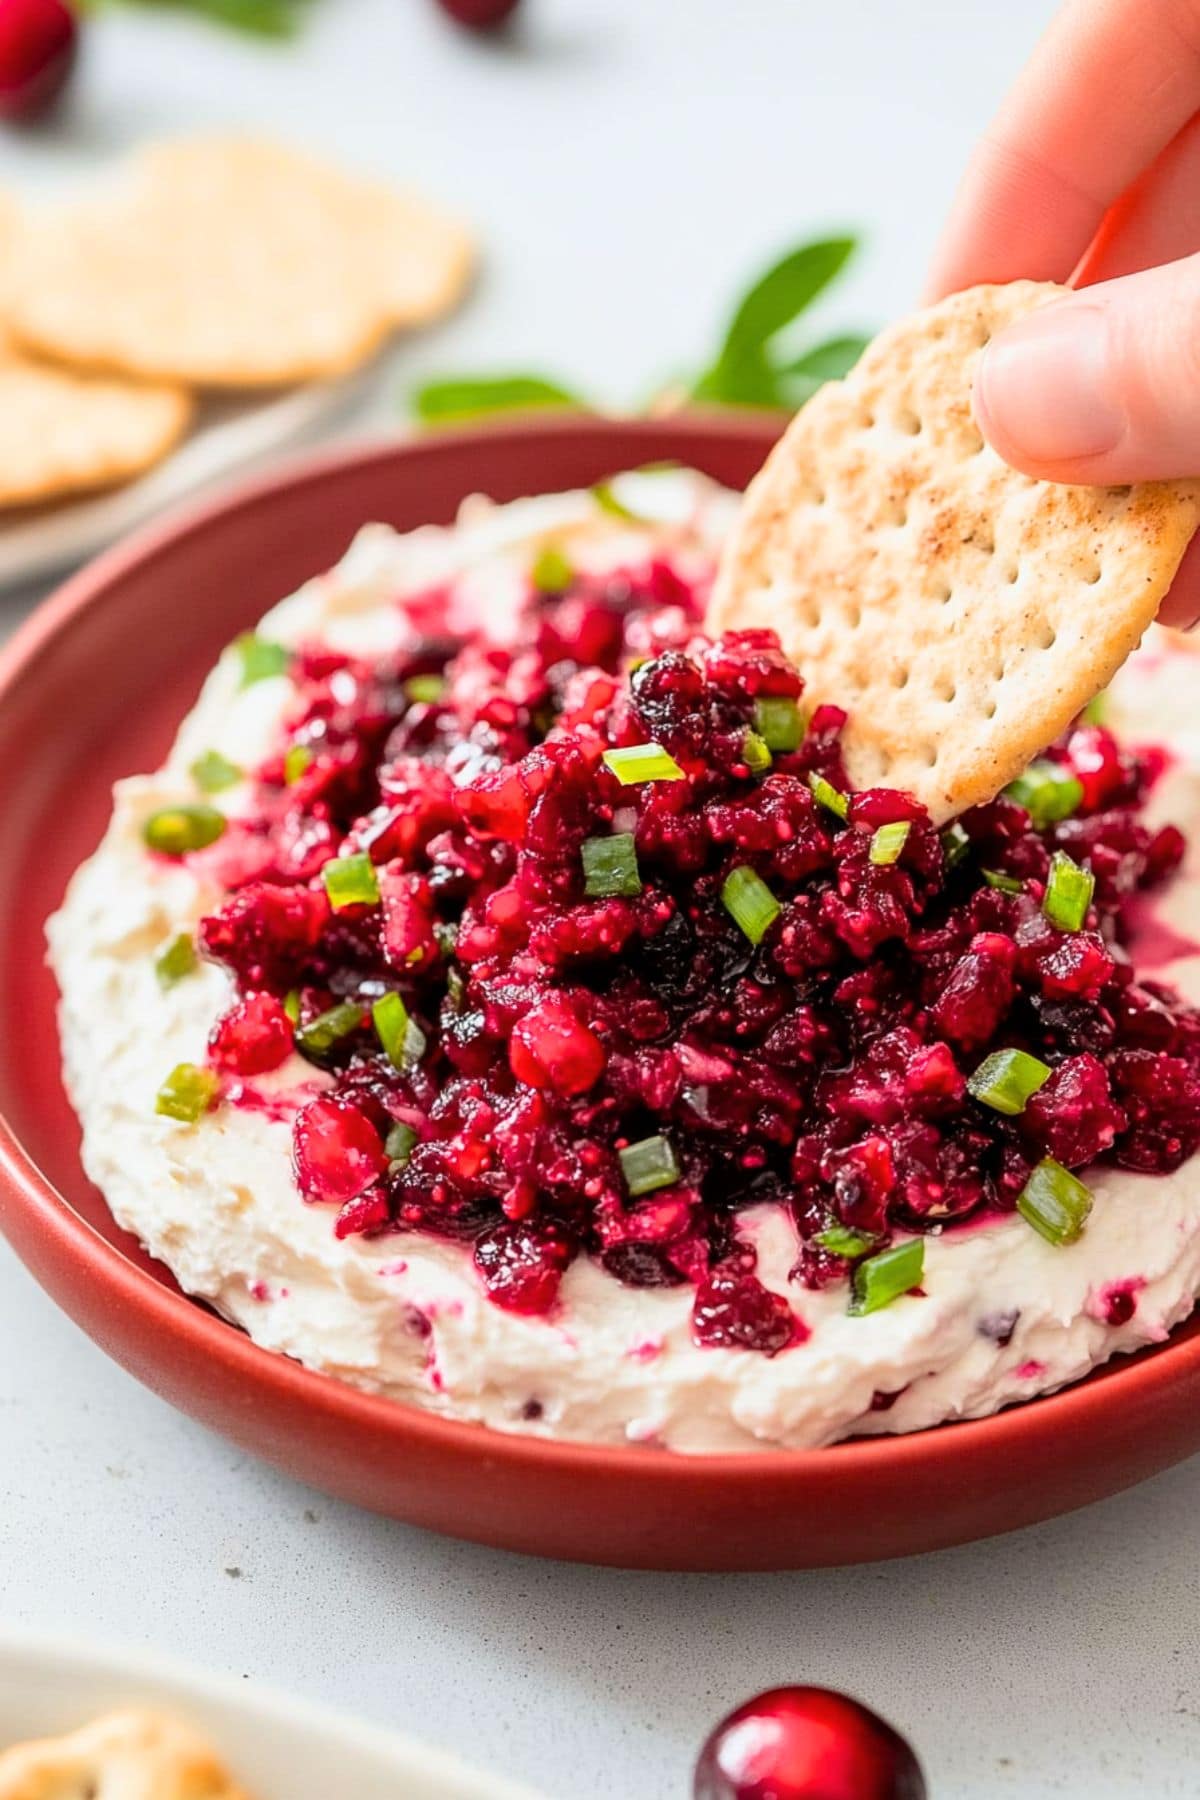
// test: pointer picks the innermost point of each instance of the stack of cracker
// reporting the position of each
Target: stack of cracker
(212, 264)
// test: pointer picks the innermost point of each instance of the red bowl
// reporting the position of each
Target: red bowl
(93, 688)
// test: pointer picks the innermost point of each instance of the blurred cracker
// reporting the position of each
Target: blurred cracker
(232, 262)
(124, 1756)
(961, 612)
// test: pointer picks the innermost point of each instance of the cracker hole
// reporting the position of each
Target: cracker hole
(853, 615)
(990, 710)
(930, 755)
(946, 691)
(976, 444)
(1012, 574)
(944, 593)
(900, 678)
(909, 422)
(1048, 639)
(1094, 574)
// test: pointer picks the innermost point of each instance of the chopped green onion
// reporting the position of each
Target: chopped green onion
(176, 960)
(177, 830)
(779, 723)
(756, 753)
(425, 690)
(648, 1165)
(456, 987)
(291, 1005)
(351, 881)
(604, 494)
(296, 762)
(883, 1278)
(1004, 884)
(212, 772)
(260, 658)
(749, 902)
(1048, 792)
(610, 866)
(826, 795)
(1096, 710)
(1068, 893)
(322, 1034)
(403, 1041)
(551, 572)
(888, 841)
(187, 1093)
(955, 845)
(399, 1144)
(1055, 1203)
(446, 936)
(844, 1242)
(642, 762)
(1006, 1079)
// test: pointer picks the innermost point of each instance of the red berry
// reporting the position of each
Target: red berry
(336, 1150)
(479, 15)
(551, 1047)
(38, 41)
(253, 1036)
(806, 1743)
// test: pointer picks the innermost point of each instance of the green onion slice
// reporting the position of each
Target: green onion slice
(178, 830)
(826, 795)
(955, 845)
(610, 866)
(1004, 884)
(888, 841)
(260, 658)
(403, 1041)
(551, 572)
(322, 1034)
(843, 1241)
(351, 881)
(756, 753)
(425, 689)
(642, 762)
(175, 960)
(1007, 1079)
(648, 1165)
(1048, 792)
(779, 723)
(1055, 1203)
(291, 1005)
(399, 1144)
(1068, 893)
(297, 761)
(187, 1093)
(883, 1278)
(749, 902)
(213, 772)
(1096, 710)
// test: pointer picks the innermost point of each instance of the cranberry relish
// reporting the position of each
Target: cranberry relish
(569, 1009)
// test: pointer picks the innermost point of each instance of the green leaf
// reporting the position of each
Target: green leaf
(277, 19)
(468, 396)
(830, 360)
(741, 377)
(743, 374)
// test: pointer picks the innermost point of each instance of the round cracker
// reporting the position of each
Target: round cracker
(135, 1755)
(961, 612)
(230, 262)
(61, 432)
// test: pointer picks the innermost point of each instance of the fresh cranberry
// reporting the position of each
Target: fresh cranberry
(551, 1047)
(337, 1150)
(38, 44)
(253, 1036)
(479, 15)
(806, 1743)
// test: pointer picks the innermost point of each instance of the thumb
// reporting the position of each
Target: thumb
(1102, 386)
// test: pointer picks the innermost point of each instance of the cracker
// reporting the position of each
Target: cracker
(61, 432)
(124, 1756)
(231, 262)
(962, 613)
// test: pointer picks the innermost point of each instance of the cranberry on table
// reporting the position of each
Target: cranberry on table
(806, 1743)
(479, 15)
(38, 41)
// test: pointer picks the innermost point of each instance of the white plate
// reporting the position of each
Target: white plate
(277, 1748)
(227, 435)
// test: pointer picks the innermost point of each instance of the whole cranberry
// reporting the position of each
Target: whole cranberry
(38, 41)
(806, 1743)
(479, 15)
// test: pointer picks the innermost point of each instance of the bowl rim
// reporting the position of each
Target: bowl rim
(177, 1315)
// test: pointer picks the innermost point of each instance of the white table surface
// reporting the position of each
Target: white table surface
(628, 163)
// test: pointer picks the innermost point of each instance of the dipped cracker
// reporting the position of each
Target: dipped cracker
(124, 1756)
(961, 612)
(231, 262)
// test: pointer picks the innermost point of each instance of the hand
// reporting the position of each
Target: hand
(1090, 174)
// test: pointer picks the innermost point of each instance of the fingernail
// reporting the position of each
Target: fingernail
(1042, 387)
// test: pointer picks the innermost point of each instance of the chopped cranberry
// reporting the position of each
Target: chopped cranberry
(523, 1264)
(805, 1743)
(253, 1036)
(337, 1150)
(734, 1311)
(479, 15)
(978, 993)
(38, 43)
(551, 1047)
(1072, 1116)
